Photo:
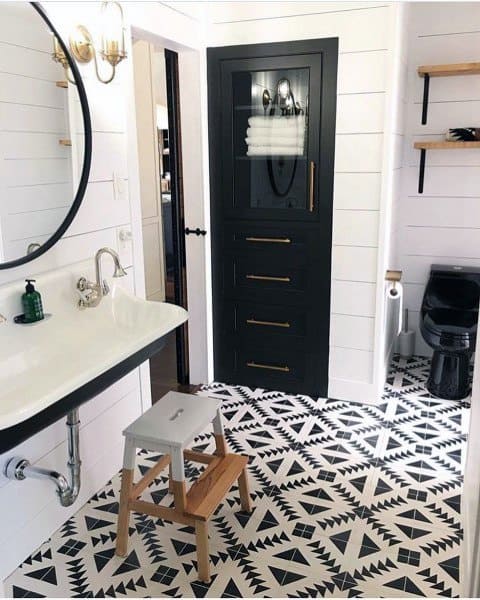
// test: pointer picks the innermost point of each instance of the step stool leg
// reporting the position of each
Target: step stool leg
(219, 435)
(243, 486)
(124, 511)
(203, 558)
(178, 479)
(170, 478)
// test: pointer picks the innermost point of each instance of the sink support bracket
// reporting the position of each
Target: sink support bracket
(67, 489)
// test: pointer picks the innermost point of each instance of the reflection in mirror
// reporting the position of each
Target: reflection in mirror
(41, 134)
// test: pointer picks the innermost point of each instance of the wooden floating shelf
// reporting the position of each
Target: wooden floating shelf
(445, 145)
(65, 142)
(424, 146)
(472, 68)
(427, 71)
(61, 84)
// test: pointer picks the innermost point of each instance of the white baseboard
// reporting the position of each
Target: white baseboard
(354, 391)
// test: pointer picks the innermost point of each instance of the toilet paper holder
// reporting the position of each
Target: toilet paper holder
(393, 276)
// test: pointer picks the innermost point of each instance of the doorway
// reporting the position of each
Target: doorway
(159, 152)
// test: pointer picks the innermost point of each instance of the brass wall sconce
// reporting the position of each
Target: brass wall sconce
(82, 47)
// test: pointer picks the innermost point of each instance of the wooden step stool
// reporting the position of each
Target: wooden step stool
(168, 427)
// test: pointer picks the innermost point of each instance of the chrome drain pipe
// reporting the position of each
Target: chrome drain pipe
(67, 490)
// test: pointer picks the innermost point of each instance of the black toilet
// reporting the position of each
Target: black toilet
(448, 322)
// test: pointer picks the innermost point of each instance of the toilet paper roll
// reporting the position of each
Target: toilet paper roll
(395, 301)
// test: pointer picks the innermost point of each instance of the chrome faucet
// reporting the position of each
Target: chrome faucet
(91, 293)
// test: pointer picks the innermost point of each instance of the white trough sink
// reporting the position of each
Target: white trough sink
(42, 364)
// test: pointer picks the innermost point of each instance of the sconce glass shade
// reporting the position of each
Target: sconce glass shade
(113, 35)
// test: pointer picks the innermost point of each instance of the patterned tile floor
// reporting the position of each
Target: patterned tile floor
(350, 500)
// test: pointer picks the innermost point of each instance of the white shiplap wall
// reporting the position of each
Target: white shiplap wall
(442, 225)
(366, 45)
(30, 510)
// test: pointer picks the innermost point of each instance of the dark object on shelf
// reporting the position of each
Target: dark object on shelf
(448, 323)
(427, 71)
(196, 231)
(463, 134)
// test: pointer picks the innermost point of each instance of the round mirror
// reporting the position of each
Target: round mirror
(45, 134)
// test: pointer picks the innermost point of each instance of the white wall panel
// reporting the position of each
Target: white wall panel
(353, 298)
(362, 72)
(358, 153)
(352, 263)
(360, 113)
(351, 365)
(352, 332)
(355, 228)
(357, 190)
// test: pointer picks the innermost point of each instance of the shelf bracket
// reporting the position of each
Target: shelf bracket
(426, 89)
(421, 172)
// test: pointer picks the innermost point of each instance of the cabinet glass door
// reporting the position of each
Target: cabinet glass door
(272, 127)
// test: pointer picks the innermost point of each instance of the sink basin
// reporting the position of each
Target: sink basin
(52, 366)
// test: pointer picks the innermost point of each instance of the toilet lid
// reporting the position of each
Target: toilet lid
(450, 321)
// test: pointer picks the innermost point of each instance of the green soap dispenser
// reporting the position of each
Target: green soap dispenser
(32, 303)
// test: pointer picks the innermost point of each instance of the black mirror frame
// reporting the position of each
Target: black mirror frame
(87, 159)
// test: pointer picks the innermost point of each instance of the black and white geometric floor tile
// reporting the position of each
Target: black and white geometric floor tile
(350, 500)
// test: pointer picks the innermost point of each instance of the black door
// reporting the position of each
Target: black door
(272, 138)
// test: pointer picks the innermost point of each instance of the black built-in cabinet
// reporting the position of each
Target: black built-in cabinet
(271, 211)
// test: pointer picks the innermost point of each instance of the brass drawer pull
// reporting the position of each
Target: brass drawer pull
(269, 240)
(285, 324)
(270, 367)
(268, 278)
(311, 186)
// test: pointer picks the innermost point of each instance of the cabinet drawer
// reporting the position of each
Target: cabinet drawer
(290, 368)
(255, 278)
(254, 319)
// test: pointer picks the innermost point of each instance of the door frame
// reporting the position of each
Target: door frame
(149, 24)
(178, 208)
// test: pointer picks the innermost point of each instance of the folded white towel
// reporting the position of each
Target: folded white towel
(294, 122)
(275, 151)
(268, 140)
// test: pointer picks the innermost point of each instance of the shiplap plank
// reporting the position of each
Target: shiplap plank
(357, 191)
(353, 332)
(24, 226)
(26, 198)
(443, 212)
(350, 263)
(351, 365)
(442, 241)
(358, 153)
(362, 72)
(442, 115)
(361, 30)
(353, 298)
(30, 63)
(444, 180)
(25, 145)
(20, 173)
(360, 113)
(355, 228)
(18, 89)
(22, 117)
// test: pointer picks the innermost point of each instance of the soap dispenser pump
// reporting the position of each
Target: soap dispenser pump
(32, 303)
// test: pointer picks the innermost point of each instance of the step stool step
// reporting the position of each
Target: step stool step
(211, 488)
(174, 420)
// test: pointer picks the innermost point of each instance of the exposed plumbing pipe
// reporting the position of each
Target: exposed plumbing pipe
(20, 468)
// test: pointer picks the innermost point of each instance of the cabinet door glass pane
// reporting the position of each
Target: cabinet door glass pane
(270, 138)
